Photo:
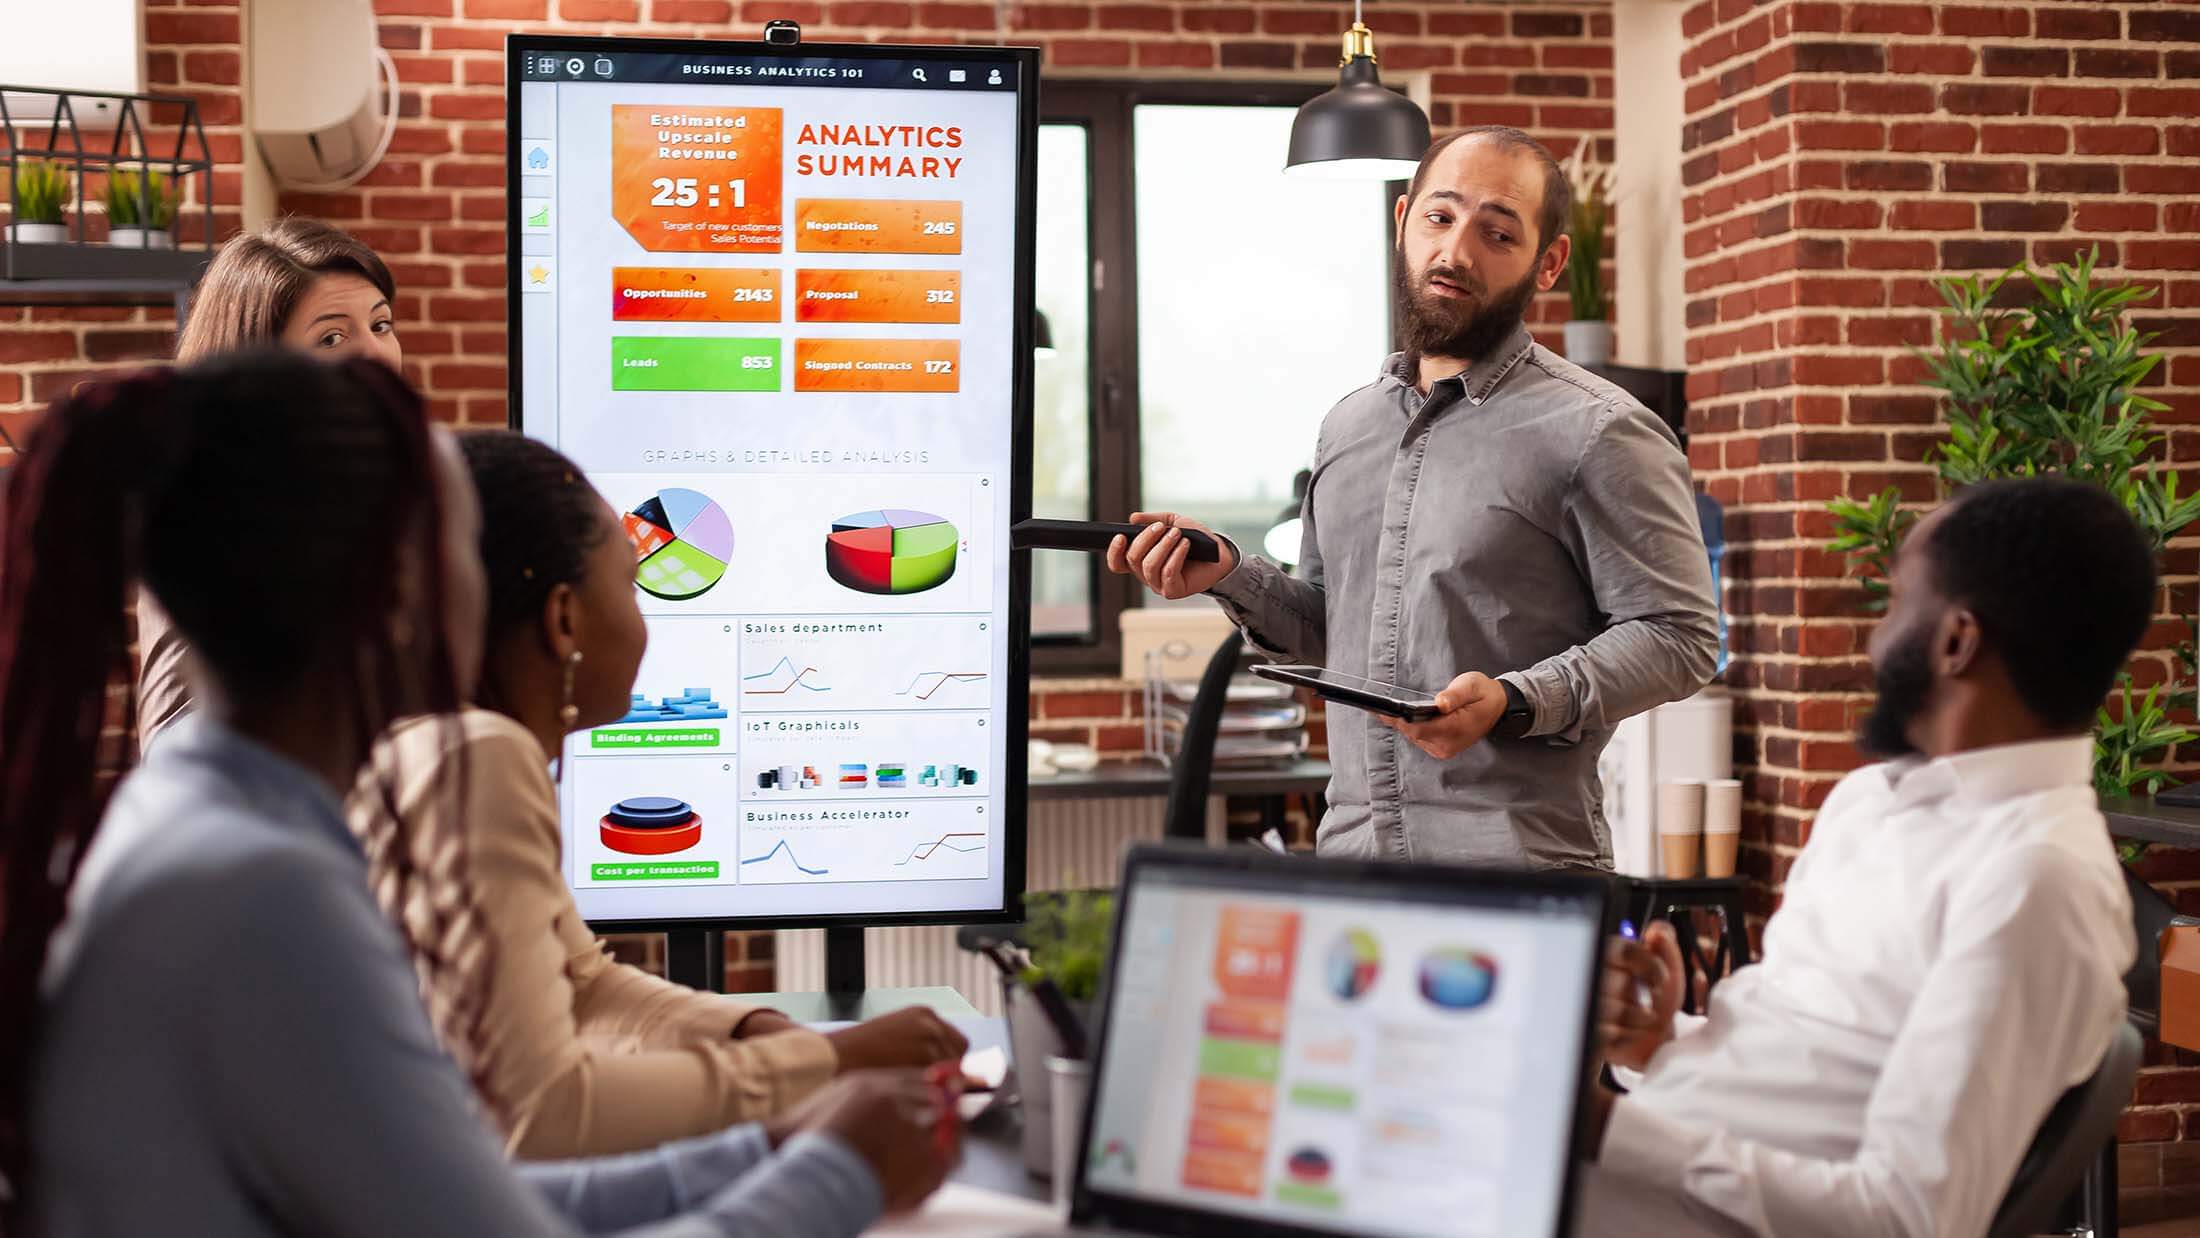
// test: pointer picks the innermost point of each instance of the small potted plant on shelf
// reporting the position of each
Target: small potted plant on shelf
(1589, 334)
(141, 209)
(41, 196)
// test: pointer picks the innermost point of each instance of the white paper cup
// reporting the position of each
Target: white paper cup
(1680, 825)
(1722, 826)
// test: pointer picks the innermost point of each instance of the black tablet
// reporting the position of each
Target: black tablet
(1373, 695)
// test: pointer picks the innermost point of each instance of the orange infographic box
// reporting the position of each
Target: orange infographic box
(1229, 1132)
(1238, 1020)
(866, 226)
(1212, 1095)
(698, 179)
(694, 294)
(878, 365)
(1253, 952)
(878, 296)
(1232, 1173)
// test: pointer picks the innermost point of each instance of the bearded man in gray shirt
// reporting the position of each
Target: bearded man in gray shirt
(1486, 519)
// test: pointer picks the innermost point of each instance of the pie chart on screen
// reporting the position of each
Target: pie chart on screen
(682, 542)
(892, 551)
(1354, 960)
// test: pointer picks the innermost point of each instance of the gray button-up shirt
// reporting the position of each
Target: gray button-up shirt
(1525, 519)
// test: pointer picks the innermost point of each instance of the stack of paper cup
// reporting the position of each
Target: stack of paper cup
(1680, 825)
(1722, 826)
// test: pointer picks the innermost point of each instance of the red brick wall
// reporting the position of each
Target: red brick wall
(435, 206)
(1838, 157)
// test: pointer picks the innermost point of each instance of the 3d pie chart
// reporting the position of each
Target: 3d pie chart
(1354, 960)
(1309, 1165)
(682, 542)
(1457, 979)
(891, 551)
(651, 825)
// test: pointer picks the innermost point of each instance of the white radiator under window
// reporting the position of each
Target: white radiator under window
(1071, 844)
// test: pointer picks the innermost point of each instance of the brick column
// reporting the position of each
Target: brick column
(1839, 157)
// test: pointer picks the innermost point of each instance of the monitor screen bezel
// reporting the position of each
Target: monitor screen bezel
(1017, 715)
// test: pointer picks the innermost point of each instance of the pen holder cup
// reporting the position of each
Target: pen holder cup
(1031, 1041)
(1070, 1083)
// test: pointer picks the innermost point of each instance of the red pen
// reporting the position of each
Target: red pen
(946, 1079)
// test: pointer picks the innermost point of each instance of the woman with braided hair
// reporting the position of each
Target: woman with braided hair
(575, 1055)
(206, 1024)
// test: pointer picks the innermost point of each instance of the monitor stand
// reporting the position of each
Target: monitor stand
(697, 958)
(844, 968)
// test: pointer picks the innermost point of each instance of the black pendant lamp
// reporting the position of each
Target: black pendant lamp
(1362, 130)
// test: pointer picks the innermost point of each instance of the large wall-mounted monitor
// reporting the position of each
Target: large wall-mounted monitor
(775, 300)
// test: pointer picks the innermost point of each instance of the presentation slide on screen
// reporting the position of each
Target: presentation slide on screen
(1351, 1064)
(768, 303)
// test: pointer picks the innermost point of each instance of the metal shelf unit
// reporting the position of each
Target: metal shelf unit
(79, 270)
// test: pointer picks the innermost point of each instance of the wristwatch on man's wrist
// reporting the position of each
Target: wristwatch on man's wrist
(1519, 715)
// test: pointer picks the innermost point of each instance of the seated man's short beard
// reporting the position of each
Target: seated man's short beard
(1904, 683)
(1435, 326)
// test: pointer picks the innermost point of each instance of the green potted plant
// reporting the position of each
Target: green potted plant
(1589, 334)
(41, 196)
(1067, 936)
(2049, 385)
(141, 209)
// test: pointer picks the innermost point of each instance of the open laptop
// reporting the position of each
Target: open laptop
(1298, 1046)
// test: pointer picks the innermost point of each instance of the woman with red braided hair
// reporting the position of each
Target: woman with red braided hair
(206, 1024)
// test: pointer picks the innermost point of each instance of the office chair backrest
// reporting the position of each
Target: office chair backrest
(2069, 1141)
(2150, 914)
(1186, 816)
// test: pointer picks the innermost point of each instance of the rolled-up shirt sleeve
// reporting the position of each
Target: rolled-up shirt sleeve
(1630, 526)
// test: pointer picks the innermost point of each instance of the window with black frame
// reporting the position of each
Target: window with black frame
(1201, 311)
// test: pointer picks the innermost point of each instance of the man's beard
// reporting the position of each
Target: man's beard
(1431, 325)
(1905, 684)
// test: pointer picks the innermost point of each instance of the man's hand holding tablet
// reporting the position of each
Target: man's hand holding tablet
(1471, 707)
(1161, 558)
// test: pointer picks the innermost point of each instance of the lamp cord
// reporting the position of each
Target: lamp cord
(1355, 12)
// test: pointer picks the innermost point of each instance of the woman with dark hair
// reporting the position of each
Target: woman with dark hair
(224, 1036)
(576, 1055)
(301, 285)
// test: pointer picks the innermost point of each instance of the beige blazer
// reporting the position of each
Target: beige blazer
(164, 678)
(586, 1056)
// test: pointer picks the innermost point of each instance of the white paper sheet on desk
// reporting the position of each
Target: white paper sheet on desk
(990, 1065)
(969, 1212)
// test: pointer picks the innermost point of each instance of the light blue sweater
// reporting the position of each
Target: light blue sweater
(233, 1044)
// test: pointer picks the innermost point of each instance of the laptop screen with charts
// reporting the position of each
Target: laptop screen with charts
(1294, 1045)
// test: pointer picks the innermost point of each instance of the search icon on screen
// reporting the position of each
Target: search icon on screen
(919, 75)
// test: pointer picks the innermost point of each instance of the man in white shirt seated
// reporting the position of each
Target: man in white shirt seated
(1948, 957)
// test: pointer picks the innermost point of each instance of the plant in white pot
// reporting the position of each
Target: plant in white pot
(1589, 334)
(1067, 935)
(141, 209)
(41, 197)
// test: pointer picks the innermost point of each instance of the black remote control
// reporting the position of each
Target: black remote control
(1094, 536)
